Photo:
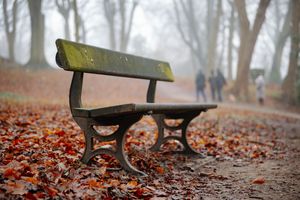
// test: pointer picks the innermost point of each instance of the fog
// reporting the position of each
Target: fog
(191, 35)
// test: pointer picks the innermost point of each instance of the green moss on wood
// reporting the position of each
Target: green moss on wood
(85, 58)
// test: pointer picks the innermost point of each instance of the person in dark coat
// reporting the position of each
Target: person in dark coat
(212, 84)
(220, 82)
(200, 86)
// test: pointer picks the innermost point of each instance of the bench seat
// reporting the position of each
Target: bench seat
(146, 108)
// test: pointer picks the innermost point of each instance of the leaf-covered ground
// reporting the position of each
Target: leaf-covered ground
(248, 155)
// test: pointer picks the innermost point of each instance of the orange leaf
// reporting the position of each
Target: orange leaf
(59, 133)
(114, 182)
(132, 184)
(9, 172)
(93, 183)
(259, 180)
(255, 155)
(31, 180)
(160, 170)
(139, 192)
(51, 191)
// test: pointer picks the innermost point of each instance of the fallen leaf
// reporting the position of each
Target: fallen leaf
(139, 192)
(17, 188)
(259, 180)
(32, 180)
(114, 182)
(93, 183)
(11, 173)
(51, 191)
(132, 184)
(160, 170)
(59, 133)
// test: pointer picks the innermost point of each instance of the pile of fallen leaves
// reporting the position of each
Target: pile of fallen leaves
(41, 147)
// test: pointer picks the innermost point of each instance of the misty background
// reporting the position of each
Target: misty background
(191, 35)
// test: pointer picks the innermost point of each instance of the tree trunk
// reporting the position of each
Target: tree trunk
(123, 20)
(280, 43)
(110, 12)
(289, 84)
(248, 39)
(220, 65)
(76, 21)
(83, 30)
(10, 28)
(230, 44)
(129, 27)
(191, 38)
(64, 8)
(126, 20)
(37, 58)
(213, 38)
(209, 21)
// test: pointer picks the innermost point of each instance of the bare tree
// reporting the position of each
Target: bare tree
(248, 39)
(213, 38)
(230, 41)
(76, 21)
(280, 40)
(126, 14)
(191, 37)
(83, 29)
(64, 8)
(110, 12)
(10, 22)
(37, 19)
(222, 43)
(289, 84)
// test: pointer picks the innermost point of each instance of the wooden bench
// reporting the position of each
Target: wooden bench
(81, 58)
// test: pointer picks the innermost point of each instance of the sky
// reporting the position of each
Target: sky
(153, 35)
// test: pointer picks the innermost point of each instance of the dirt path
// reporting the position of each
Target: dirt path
(282, 176)
(234, 178)
(178, 93)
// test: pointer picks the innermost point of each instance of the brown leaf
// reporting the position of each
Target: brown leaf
(51, 191)
(93, 183)
(139, 192)
(114, 183)
(11, 173)
(132, 184)
(259, 180)
(16, 187)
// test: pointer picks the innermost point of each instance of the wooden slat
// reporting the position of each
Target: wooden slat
(141, 108)
(85, 58)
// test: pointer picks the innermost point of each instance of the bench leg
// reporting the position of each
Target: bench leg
(160, 134)
(161, 125)
(119, 136)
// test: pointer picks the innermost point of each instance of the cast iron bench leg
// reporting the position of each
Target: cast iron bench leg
(161, 125)
(86, 124)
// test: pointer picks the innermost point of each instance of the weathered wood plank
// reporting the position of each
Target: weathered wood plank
(145, 108)
(85, 58)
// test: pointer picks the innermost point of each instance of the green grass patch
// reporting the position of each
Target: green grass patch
(10, 96)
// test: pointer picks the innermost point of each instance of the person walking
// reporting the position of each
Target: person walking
(220, 82)
(200, 86)
(212, 84)
(260, 89)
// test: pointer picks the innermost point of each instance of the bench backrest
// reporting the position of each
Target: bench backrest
(73, 56)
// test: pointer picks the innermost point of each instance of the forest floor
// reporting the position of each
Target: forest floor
(250, 152)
